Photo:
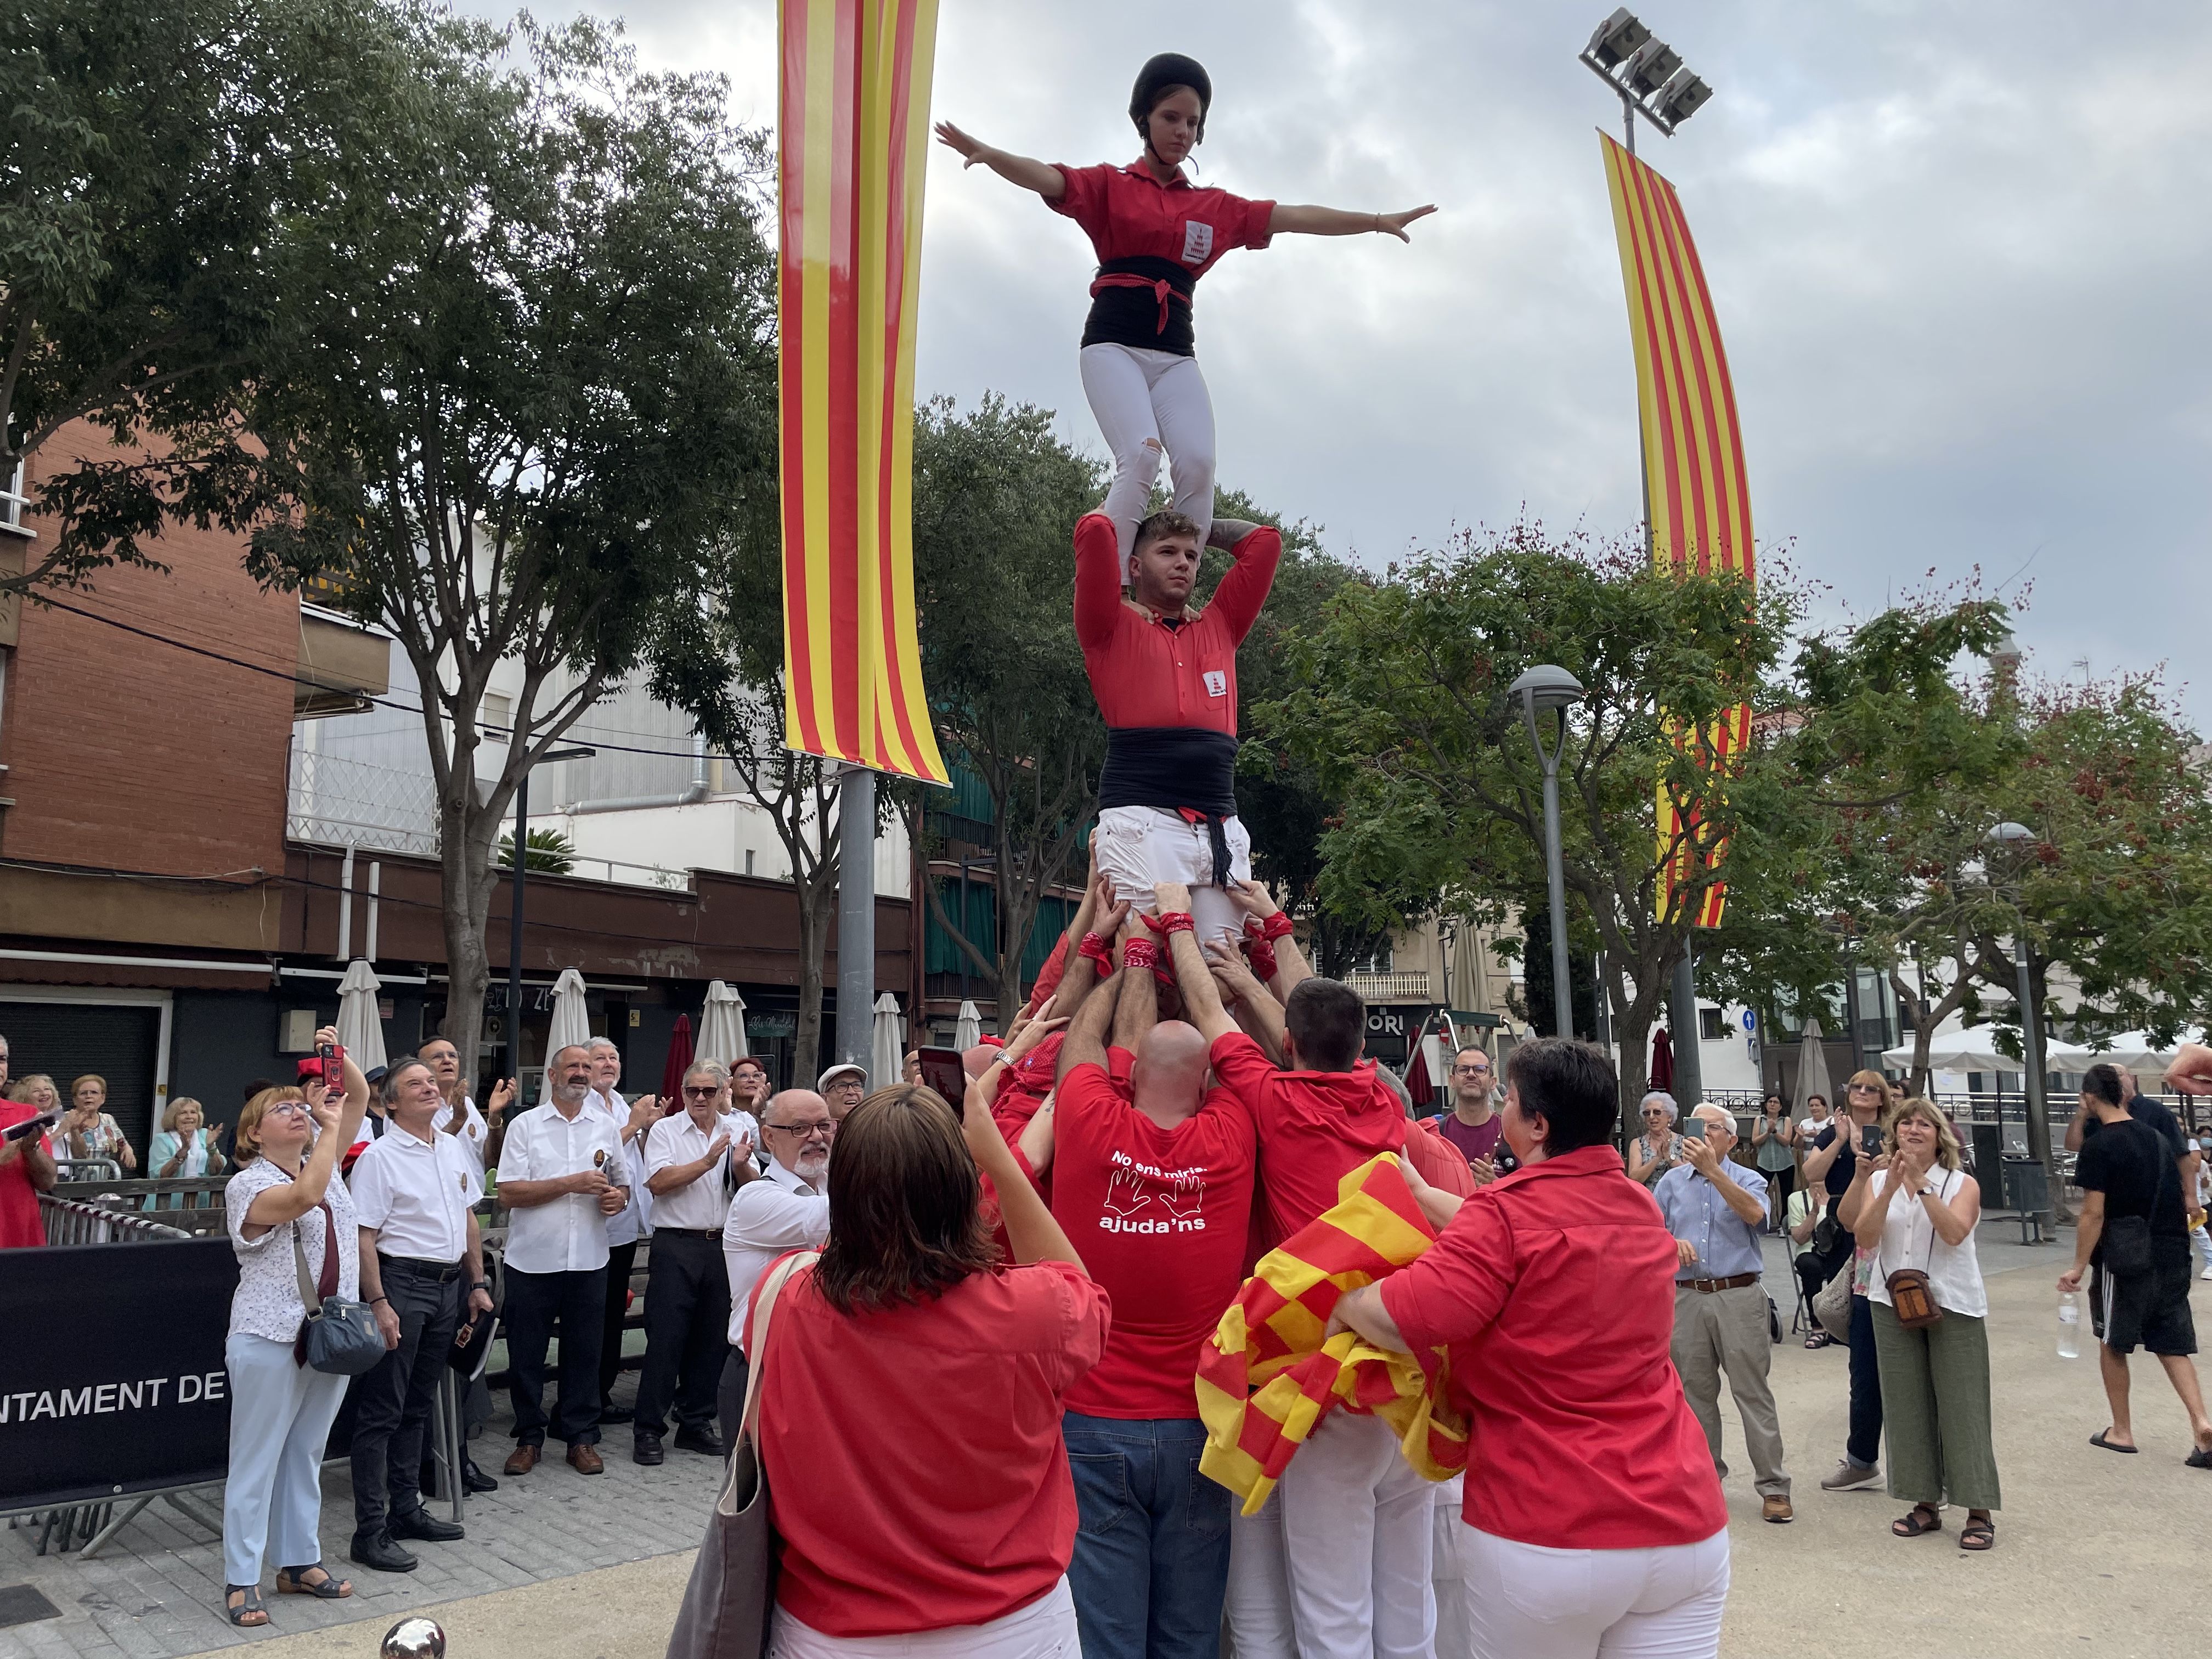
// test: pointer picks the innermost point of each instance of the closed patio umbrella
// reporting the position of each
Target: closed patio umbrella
(678, 1062)
(968, 1027)
(361, 1028)
(572, 1017)
(1813, 1068)
(722, 1026)
(888, 1051)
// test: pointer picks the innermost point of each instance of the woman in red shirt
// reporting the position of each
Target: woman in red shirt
(1156, 233)
(1597, 1519)
(910, 1401)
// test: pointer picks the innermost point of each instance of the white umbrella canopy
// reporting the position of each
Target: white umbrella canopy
(722, 1026)
(2133, 1051)
(572, 1017)
(1959, 1047)
(967, 1026)
(1813, 1068)
(360, 1029)
(889, 1048)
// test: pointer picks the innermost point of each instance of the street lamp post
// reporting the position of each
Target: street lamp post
(2016, 838)
(515, 906)
(1549, 686)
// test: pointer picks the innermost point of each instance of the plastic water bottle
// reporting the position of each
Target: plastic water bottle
(2069, 1325)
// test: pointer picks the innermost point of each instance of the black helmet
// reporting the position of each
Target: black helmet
(1170, 68)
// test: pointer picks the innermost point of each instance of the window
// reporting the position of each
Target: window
(12, 502)
(1711, 1026)
(1379, 963)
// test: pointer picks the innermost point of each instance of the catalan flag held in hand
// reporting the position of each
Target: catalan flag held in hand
(1271, 1337)
(851, 143)
(1696, 499)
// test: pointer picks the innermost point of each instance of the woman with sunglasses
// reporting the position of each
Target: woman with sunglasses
(281, 1411)
(1833, 1161)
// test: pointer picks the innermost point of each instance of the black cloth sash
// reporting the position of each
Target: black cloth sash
(1143, 301)
(1174, 769)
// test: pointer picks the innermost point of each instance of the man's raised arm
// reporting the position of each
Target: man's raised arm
(1086, 1042)
(1098, 582)
(1257, 549)
(1201, 1002)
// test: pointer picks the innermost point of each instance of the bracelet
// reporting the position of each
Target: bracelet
(386, 1300)
(1099, 949)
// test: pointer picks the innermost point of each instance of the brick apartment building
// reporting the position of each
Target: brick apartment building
(158, 924)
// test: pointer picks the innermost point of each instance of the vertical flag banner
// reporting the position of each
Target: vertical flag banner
(852, 150)
(1695, 497)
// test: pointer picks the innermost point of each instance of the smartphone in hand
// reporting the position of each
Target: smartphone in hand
(1693, 1128)
(1870, 1139)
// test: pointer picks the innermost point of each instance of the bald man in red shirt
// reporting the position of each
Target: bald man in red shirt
(1165, 677)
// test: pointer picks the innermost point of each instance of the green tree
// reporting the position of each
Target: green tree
(552, 853)
(1399, 708)
(539, 389)
(168, 168)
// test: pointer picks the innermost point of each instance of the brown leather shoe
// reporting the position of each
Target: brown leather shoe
(585, 1460)
(523, 1459)
(1777, 1510)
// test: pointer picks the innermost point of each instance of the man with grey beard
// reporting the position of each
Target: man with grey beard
(788, 1209)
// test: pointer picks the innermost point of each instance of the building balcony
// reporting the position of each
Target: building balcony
(1412, 987)
(342, 665)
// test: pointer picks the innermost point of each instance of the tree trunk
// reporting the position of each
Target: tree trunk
(814, 894)
(464, 863)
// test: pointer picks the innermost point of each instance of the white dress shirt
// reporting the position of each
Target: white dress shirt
(466, 1126)
(769, 1217)
(635, 1218)
(565, 1235)
(700, 1207)
(415, 1194)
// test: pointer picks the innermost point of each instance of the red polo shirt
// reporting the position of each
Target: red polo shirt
(1554, 1289)
(1315, 1128)
(1153, 241)
(1144, 673)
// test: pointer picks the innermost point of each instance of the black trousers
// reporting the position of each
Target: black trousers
(576, 1301)
(621, 1259)
(392, 1402)
(731, 1405)
(687, 1330)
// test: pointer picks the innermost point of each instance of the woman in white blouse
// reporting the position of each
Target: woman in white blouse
(281, 1410)
(1914, 1207)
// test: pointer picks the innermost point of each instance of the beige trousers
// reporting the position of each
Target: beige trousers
(1717, 1331)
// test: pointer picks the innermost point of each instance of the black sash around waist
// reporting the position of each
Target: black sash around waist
(1142, 301)
(1172, 767)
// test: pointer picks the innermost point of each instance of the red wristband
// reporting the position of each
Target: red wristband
(1099, 949)
(1278, 926)
(1141, 953)
(1170, 921)
(1261, 955)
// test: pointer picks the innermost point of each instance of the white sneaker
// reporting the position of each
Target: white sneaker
(2207, 1274)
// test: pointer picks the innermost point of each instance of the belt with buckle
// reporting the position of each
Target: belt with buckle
(691, 1232)
(1709, 1285)
(414, 1268)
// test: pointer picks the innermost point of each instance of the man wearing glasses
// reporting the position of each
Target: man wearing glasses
(1472, 1123)
(788, 1209)
(691, 1159)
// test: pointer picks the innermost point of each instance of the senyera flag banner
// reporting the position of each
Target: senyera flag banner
(1696, 499)
(852, 146)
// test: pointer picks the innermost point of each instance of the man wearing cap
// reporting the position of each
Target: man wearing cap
(691, 1159)
(788, 1209)
(843, 1086)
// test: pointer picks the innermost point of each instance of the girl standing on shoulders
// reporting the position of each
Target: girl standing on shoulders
(1156, 233)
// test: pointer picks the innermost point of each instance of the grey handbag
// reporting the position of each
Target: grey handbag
(338, 1336)
(1832, 1305)
(731, 1594)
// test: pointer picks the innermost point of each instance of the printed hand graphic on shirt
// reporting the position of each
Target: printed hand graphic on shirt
(1125, 1194)
(1186, 1196)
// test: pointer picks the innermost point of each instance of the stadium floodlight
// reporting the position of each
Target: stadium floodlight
(1618, 36)
(1683, 96)
(1649, 67)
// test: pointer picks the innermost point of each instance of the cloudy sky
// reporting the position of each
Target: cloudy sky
(1960, 254)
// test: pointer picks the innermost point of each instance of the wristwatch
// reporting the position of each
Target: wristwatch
(481, 1284)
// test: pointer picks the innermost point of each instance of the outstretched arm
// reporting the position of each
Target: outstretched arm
(1201, 1002)
(1291, 966)
(1046, 180)
(1329, 222)
(1263, 1015)
(1086, 1042)
(1139, 1006)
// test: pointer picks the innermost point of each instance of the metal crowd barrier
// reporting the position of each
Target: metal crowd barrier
(75, 1221)
(193, 1203)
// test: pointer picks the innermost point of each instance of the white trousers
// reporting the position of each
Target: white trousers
(1448, 1571)
(280, 1420)
(1145, 401)
(1356, 1534)
(1043, 1630)
(1257, 1609)
(1529, 1603)
(1141, 847)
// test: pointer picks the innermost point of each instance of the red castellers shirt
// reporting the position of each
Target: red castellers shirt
(922, 1481)
(1019, 1099)
(1553, 1289)
(21, 1225)
(1144, 673)
(1170, 233)
(1160, 1217)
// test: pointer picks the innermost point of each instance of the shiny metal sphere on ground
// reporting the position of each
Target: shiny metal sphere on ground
(413, 1638)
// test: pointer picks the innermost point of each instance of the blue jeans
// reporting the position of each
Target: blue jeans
(1152, 1553)
(1864, 1447)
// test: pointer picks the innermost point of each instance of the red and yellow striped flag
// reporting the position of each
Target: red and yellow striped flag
(853, 143)
(1270, 1336)
(1695, 497)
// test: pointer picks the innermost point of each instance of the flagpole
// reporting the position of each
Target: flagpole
(856, 919)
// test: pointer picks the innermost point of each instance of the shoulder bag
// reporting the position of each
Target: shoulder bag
(1912, 1298)
(732, 1594)
(338, 1336)
(1831, 1304)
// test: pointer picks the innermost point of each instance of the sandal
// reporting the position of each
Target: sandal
(1819, 1339)
(293, 1581)
(1977, 1536)
(1910, 1525)
(248, 1610)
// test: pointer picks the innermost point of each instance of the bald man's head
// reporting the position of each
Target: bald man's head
(799, 1130)
(977, 1060)
(1170, 1074)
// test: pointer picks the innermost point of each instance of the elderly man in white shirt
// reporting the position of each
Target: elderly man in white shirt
(631, 1120)
(561, 1173)
(788, 1209)
(420, 1259)
(690, 1156)
(479, 1132)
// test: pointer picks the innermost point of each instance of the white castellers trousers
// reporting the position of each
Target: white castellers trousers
(1141, 847)
(1145, 402)
(1043, 1630)
(1528, 1602)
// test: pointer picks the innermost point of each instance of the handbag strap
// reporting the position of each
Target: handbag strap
(312, 1296)
(748, 1419)
(1918, 1209)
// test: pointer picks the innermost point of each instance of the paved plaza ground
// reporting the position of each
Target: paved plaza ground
(2097, 1554)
